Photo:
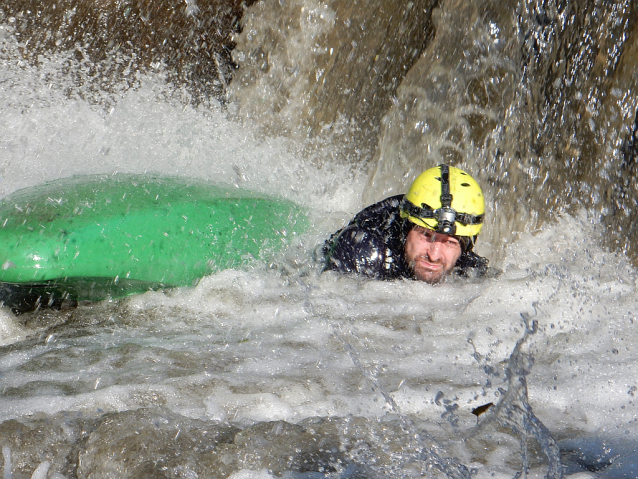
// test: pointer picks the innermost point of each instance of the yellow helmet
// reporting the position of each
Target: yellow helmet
(446, 200)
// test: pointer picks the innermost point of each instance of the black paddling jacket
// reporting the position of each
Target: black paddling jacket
(373, 244)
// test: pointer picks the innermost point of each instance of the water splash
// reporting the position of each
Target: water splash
(514, 411)
(420, 446)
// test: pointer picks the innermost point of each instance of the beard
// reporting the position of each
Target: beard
(424, 272)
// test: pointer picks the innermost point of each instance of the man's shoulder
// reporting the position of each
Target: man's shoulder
(390, 203)
(384, 211)
(371, 244)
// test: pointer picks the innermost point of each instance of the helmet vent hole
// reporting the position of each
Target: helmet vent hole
(438, 178)
(465, 184)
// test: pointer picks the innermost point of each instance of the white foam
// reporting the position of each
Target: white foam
(248, 474)
(41, 471)
(10, 330)
(271, 343)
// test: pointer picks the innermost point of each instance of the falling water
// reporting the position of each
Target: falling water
(280, 370)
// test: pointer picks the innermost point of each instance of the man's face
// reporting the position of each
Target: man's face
(431, 255)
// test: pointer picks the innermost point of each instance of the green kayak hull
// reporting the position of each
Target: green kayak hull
(97, 237)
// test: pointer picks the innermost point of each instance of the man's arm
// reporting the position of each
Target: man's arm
(371, 244)
(358, 250)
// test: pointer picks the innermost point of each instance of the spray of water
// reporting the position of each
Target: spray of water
(514, 411)
(257, 348)
(420, 446)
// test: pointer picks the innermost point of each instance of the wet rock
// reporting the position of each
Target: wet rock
(29, 442)
(112, 39)
(327, 68)
(150, 443)
(157, 443)
(278, 447)
(345, 447)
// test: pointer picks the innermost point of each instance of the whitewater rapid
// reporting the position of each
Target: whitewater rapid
(284, 341)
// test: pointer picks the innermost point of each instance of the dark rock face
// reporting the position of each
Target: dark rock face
(191, 39)
(327, 68)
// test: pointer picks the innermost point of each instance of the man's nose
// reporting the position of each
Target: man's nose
(435, 250)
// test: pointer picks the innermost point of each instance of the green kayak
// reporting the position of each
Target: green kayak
(97, 237)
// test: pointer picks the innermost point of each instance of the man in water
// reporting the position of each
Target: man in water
(424, 235)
